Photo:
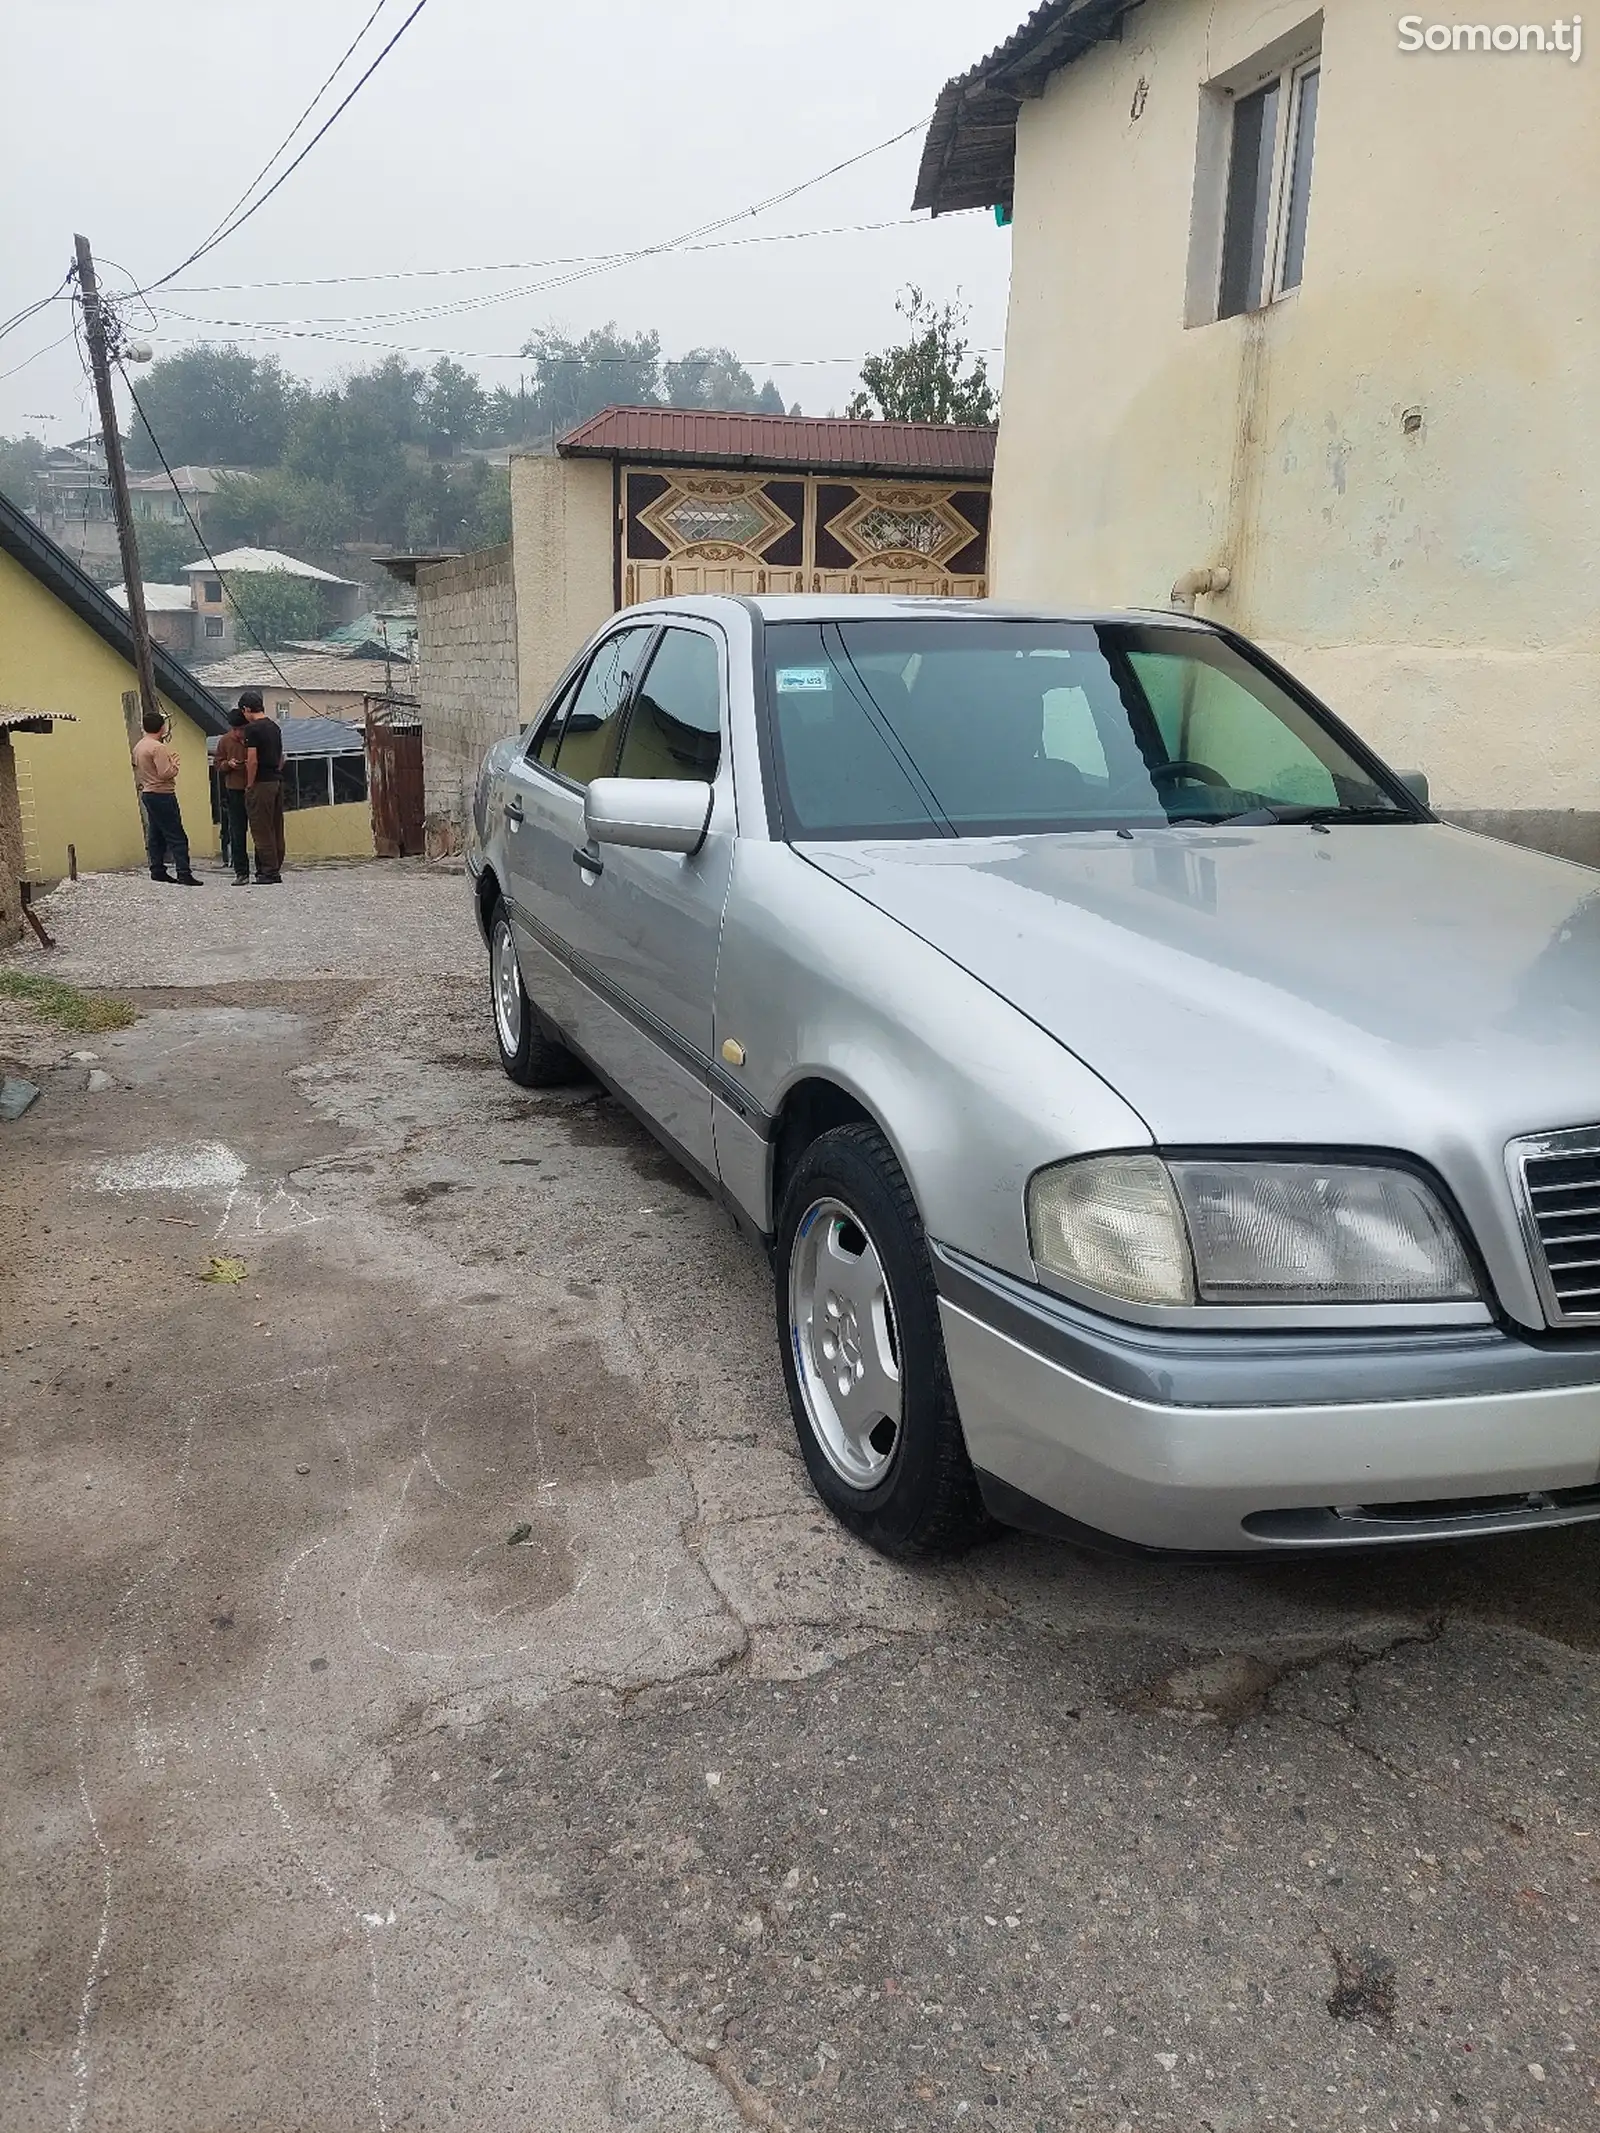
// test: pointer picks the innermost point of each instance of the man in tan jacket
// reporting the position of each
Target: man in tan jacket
(155, 767)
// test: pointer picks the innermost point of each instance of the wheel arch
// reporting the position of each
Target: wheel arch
(812, 1106)
(487, 893)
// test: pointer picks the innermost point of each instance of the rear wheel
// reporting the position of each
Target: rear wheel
(528, 1054)
(863, 1357)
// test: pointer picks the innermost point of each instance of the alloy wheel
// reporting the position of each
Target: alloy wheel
(846, 1343)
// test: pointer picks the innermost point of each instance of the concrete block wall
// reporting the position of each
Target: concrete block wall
(466, 680)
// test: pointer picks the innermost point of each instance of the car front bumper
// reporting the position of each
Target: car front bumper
(1218, 1444)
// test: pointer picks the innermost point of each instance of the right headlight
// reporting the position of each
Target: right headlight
(1244, 1231)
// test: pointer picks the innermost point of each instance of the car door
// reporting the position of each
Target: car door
(648, 924)
(542, 795)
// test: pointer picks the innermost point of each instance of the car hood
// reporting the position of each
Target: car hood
(1394, 985)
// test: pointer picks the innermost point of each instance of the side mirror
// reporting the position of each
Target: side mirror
(652, 814)
(1415, 783)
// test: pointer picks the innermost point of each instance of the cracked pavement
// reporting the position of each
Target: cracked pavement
(327, 1805)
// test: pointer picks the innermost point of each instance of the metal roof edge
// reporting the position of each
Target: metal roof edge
(969, 151)
(48, 562)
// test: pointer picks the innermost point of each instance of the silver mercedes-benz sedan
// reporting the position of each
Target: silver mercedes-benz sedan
(1165, 1131)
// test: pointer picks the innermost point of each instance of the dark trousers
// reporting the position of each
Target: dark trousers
(264, 805)
(164, 834)
(235, 831)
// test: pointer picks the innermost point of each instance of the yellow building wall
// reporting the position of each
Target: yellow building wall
(563, 546)
(77, 781)
(328, 832)
(1436, 580)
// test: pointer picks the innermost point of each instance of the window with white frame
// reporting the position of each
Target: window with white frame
(1257, 142)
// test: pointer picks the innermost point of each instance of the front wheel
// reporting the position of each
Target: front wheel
(529, 1056)
(863, 1356)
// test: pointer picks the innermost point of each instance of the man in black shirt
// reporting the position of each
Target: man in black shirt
(263, 785)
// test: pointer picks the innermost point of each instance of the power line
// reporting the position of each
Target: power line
(221, 235)
(293, 130)
(535, 266)
(48, 347)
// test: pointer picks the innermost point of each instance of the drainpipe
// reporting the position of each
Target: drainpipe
(1211, 578)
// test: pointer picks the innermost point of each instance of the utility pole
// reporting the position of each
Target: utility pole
(94, 327)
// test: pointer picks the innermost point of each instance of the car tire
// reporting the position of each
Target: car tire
(858, 1322)
(533, 1058)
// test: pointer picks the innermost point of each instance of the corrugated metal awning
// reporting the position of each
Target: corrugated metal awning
(17, 718)
(970, 151)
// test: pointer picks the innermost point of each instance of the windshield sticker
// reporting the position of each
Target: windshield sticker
(795, 679)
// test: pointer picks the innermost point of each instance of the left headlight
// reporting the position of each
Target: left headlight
(1243, 1231)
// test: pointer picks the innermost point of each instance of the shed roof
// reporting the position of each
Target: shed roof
(264, 559)
(687, 437)
(50, 563)
(159, 599)
(319, 736)
(17, 718)
(970, 150)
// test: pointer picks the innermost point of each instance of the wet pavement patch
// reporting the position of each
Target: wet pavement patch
(1365, 1991)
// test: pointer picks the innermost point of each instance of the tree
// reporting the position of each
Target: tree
(453, 405)
(297, 513)
(165, 545)
(214, 407)
(924, 379)
(769, 401)
(710, 377)
(575, 379)
(274, 607)
(20, 461)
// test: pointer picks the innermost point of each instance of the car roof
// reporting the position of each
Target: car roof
(881, 607)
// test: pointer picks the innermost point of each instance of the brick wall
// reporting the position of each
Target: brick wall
(466, 680)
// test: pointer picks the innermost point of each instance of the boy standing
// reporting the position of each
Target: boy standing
(155, 768)
(263, 785)
(230, 768)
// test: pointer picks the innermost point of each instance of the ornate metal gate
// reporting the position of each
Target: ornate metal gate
(695, 531)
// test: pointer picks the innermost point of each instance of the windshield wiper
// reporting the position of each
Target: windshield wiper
(1289, 811)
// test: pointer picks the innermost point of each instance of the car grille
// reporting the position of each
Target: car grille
(1561, 1199)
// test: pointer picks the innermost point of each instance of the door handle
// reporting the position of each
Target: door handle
(514, 810)
(588, 861)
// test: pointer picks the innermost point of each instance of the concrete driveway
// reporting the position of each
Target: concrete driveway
(434, 1697)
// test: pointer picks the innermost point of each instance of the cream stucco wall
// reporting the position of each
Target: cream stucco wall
(562, 545)
(1440, 588)
(76, 782)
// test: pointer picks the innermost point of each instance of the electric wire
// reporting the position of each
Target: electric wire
(293, 130)
(220, 236)
(537, 266)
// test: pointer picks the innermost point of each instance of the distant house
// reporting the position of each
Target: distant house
(66, 651)
(196, 619)
(320, 683)
(169, 610)
(72, 502)
(156, 500)
(216, 635)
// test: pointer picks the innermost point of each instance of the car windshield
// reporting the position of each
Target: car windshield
(974, 728)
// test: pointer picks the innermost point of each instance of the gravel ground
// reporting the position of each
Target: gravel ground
(385, 918)
(435, 1697)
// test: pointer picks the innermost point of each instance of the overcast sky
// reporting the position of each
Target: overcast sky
(496, 131)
